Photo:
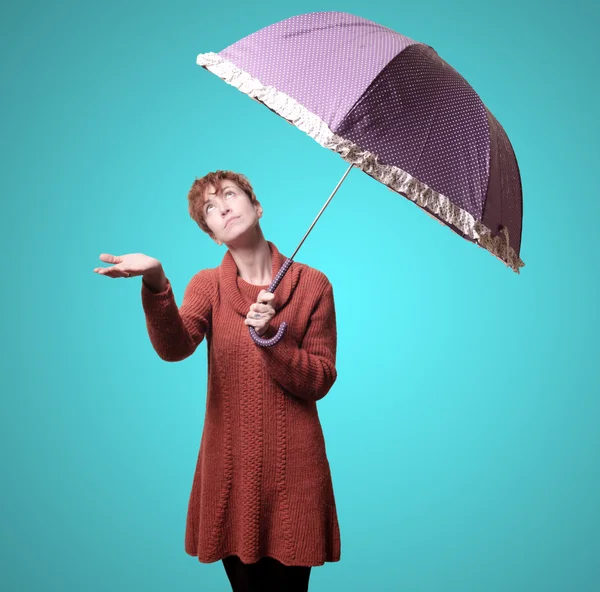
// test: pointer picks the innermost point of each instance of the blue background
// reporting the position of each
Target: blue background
(462, 431)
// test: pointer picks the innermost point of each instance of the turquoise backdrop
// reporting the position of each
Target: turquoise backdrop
(462, 431)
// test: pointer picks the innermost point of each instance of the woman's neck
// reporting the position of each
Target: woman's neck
(253, 260)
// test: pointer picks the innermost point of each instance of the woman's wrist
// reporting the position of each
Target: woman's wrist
(156, 279)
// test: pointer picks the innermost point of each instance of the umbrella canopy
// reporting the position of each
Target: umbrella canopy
(392, 107)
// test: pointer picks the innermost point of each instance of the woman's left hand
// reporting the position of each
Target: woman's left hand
(264, 308)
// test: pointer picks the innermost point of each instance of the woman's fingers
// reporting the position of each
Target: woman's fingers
(258, 324)
(109, 258)
(265, 296)
(113, 272)
(261, 308)
(259, 327)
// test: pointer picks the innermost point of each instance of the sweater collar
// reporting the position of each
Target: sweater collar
(228, 273)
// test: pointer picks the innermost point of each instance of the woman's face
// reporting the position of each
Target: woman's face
(229, 213)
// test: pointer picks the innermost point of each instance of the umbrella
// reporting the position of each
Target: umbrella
(393, 108)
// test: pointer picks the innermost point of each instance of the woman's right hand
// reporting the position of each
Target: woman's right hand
(131, 265)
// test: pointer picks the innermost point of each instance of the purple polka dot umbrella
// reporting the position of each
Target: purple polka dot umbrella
(393, 108)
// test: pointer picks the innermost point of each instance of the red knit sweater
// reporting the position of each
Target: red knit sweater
(262, 485)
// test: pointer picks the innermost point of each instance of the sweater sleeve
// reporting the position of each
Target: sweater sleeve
(307, 371)
(174, 332)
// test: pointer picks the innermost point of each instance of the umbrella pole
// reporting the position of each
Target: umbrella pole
(322, 210)
(286, 265)
(288, 262)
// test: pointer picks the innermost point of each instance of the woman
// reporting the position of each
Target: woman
(262, 498)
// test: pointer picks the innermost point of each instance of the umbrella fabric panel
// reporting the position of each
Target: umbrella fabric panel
(323, 60)
(504, 203)
(421, 116)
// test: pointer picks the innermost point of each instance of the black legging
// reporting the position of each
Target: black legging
(266, 575)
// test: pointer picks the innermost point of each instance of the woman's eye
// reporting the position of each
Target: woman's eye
(227, 194)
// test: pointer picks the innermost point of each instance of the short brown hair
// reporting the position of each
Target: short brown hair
(196, 194)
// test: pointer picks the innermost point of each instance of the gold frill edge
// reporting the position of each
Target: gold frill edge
(395, 178)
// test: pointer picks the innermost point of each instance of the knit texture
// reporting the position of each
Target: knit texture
(262, 484)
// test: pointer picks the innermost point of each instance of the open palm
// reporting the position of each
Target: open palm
(130, 265)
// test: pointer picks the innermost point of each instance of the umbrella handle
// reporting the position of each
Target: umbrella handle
(280, 332)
